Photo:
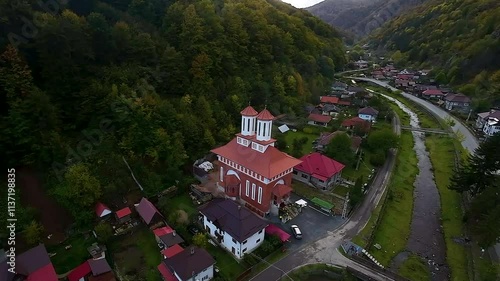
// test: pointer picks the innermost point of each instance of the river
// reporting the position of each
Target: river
(426, 238)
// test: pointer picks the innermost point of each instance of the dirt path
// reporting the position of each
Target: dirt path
(53, 217)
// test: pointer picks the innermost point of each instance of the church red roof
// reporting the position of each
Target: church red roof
(270, 163)
(265, 115)
(319, 166)
(249, 111)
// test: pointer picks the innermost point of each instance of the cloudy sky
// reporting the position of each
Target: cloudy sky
(302, 3)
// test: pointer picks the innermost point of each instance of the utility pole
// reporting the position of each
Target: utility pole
(359, 159)
(470, 111)
(344, 210)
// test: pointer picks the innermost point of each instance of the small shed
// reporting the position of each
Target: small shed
(123, 215)
(283, 128)
(101, 210)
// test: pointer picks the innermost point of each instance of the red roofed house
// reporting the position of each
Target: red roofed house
(328, 99)
(102, 210)
(80, 272)
(357, 124)
(172, 251)
(148, 212)
(325, 139)
(432, 94)
(190, 264)
(167, 237)
(318, 170)
(123, 215)
(319, 119)
(251, 169)
(32, 265)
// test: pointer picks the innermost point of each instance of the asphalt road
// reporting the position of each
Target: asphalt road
(325, 250)
(469, 141)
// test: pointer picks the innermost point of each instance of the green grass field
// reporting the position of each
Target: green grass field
(229, 267)
(394, 227)
(415, 269)
(66, 260)
(442, 153)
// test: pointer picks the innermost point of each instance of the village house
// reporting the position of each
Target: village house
(357, 123)
(102, 211)
(318, 170)
(123, 215)
(325, 139)
(33, 264)
(92, 270)
(167, 237)
(492, 126)
(353, 90)
(148, 212)
(457, 102)
(368, 113)
(433, 94)
(422, 87)
(251, 169)
(339, 86)
(361, 64)
(233, 226)
(482, 117)
(171, 251)
(319, 119)
(328, 100)
(192, 263)
(330, 110)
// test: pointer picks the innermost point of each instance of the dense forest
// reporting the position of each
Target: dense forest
(87, 83)
(458, 39)
(360, 17)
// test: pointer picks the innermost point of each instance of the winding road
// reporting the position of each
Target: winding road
(469, 141)
(325, 250)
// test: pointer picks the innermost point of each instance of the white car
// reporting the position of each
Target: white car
(296, 231)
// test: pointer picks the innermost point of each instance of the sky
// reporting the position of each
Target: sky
(302, 3)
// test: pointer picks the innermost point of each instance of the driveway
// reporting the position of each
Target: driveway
(313, 224)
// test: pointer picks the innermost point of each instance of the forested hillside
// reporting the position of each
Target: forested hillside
(157, 82)
(360, 17)
(459, 39)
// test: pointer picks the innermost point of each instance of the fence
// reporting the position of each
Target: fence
(374, 267)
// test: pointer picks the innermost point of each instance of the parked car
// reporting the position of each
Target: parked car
(296, 231)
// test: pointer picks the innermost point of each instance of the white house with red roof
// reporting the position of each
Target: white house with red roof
(251, 169)
(318, 170)
(102, 210)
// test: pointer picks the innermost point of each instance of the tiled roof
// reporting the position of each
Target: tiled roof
(319, 118)
(102, 210)
(147, 210)
(123, 212)
(35, 263)
(249, 111)
(354, 121)
(327, 99)
(265, 115)
(186, 263)
(432, 92)
(79, 272)
(316, 163)
(99, 266)
(159, 232)
(237, 221)
(368, 111)
(269, 163)
(172, 251)
(457, 98)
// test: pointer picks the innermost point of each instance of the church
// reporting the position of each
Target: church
(251, 169)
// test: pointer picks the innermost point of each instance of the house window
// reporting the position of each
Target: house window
(234, 241)
(247, 190)
(258, 240)
(295, 172)
(259, 198)
(244, 250)
(305, 176)
(244, 242)
(321, 180)
(260, 232)
(253, 191)
(221, 174)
